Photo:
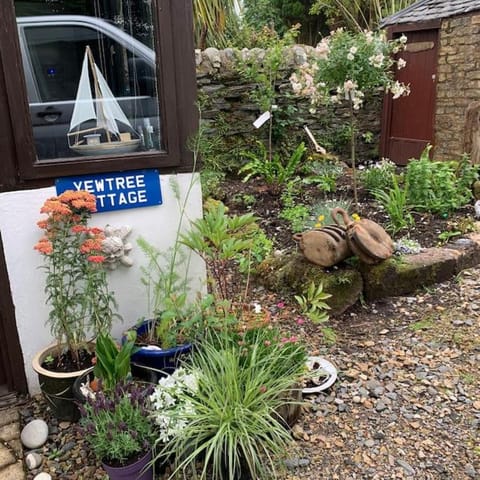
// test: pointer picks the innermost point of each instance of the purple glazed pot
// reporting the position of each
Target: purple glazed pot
(134, 471)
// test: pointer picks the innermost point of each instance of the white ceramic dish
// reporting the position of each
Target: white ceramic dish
(326, 368)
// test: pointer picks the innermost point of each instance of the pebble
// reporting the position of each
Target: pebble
(407, 467)
(295, 462)
(34, 434)
(43, 476)
(33, 460)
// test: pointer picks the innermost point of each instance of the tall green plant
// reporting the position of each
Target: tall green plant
(358, 14)
(272, 169)
(219, 238)
(439, 187)
(395, 202)
(265, 72)
(212, 21)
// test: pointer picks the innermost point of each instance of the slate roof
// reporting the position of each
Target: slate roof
(424, 10)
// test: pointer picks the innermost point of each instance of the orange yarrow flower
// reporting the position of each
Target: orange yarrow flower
(44, 246)
(91, 245)
(96, 258)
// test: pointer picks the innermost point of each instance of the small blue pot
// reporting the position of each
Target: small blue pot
(152, 364)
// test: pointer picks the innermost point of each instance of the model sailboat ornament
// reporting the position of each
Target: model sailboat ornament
(105, 138)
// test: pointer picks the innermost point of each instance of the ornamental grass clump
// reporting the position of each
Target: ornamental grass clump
(76, 284)
(118, 424)
(233, 424)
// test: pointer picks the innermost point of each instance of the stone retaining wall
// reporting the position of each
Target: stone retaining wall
(228, 111)
(458, 84)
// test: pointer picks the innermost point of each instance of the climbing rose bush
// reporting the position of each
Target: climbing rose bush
(76, 284)
(347, 65)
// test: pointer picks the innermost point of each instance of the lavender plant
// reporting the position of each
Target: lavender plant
(118, 424)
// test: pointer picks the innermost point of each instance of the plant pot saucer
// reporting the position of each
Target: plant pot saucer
(327, 374)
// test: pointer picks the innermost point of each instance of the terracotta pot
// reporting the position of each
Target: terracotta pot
(57, 387)
(138, 470)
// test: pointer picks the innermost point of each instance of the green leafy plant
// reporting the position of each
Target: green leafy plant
(323, 174)
(395, 202)
(272, 169)
(233, 423)
(76, 281)
(312, 303)
(112, 361)
(439, 187)
(358, 14)
(296, 215)
(445, 236)
(261, 248)
(117, 424)
(265, 74)
(219, 238)
(211, 183)
(294, 211)
(378, 177)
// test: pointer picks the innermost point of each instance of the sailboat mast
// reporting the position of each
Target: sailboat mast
(98, 93)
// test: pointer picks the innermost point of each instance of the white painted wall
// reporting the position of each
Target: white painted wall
(19, 213)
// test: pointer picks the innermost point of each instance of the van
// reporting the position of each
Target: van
(53, 49)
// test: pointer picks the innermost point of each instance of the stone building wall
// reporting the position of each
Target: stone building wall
(228, 110)
(458, 87)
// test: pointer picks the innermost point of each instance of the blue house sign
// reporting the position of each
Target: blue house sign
(117, 191)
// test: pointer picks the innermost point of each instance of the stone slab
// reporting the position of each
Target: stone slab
(294, 273)
(6, 457)
(9, 432)
(468, 249)
(13, 472)
(8, 416)
(16, 446)
(403, 275)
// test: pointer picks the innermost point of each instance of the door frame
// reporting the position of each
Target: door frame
(386, 122)
(11, 355)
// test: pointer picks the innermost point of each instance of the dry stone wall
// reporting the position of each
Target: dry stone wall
(228, 109)
(458, 88)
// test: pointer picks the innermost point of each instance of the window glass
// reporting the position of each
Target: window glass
(91, 78)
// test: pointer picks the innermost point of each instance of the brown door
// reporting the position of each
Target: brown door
(12, 373)
(408, 121)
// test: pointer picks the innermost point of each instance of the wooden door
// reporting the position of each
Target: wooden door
(408, 122)
(12, 370)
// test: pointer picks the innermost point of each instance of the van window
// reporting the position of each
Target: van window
(55, 52)
(56, 55)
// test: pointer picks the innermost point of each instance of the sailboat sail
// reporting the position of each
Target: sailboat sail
(103, 108)
(83, 109)
(111, 108)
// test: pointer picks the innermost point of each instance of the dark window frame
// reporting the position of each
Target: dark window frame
(19, 167)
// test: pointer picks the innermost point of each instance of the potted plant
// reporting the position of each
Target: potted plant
(176, 320)
(112, 366)
(118, 427)
(232, 422)
(81, 305)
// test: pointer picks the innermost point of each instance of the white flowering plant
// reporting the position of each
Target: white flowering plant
(345, 67)
(170, 402)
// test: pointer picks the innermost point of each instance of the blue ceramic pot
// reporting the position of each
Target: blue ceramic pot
(152, 362)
